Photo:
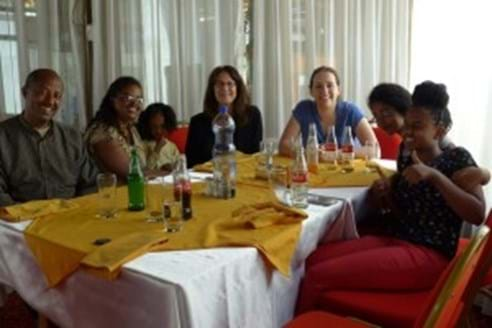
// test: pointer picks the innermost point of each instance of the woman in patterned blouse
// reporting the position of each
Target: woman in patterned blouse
(111, 134)
(427, 210)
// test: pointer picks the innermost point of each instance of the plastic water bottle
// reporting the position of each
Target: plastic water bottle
(136, 183)
(224, 155)
(299, 179)
(312, 149)
(182, 187)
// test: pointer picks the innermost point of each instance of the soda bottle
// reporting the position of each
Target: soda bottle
(299, 179)
(182, 187)
(330, 149)
(136, 183)
(312, 149)
(348, 154)
(224, 154)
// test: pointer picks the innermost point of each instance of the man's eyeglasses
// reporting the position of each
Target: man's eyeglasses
(131, 100)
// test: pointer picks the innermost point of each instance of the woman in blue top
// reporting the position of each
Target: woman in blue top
(326, 110)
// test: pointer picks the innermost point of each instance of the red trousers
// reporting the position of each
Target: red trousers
(371, 262)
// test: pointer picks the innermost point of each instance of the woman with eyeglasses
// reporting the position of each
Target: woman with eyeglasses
(225, 87)
(111, 134)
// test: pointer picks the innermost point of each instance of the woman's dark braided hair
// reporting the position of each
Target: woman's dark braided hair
(434, 97)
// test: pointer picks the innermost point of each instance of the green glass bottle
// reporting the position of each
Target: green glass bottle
(136, 184)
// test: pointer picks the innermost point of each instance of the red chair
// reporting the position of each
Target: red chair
(389, 144)
(445, 306)
(179, 137)
(388, 308)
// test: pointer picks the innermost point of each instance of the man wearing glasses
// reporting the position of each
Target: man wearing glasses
(39, 157)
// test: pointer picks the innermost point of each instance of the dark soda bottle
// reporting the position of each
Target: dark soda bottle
(182, 187)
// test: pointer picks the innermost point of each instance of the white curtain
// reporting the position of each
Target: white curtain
(366, 41)
(43, 34)
(457, 52)
(171, 46)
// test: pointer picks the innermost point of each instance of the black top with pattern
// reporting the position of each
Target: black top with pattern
(424, 217)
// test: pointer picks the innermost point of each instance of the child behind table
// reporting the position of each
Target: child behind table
(154, 125)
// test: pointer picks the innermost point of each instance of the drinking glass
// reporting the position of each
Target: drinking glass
(371, 151)
(106, 189)
(268, 149)
(173, 216)
(154, 197)
(280, 183)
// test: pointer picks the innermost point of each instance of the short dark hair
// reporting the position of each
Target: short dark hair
(107, 112)
(170, 122)
(241, 105)
(323, 69)
(391, 94)
(435, 98)
(38, 75)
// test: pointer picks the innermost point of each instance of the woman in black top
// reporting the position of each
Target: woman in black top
(225, 87)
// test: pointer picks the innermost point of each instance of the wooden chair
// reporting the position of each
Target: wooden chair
(444, 306)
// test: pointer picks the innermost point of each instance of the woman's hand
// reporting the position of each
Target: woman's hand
(160, 142)
(418, 171)
(380, 195)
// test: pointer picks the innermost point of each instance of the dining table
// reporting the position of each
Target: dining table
(230, 286)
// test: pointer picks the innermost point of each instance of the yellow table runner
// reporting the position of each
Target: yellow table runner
(61, 242)
(36, 209)
(325, 178)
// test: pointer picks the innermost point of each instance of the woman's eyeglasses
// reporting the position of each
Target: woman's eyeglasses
(131, 100)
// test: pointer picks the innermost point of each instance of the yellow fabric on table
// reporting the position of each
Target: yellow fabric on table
(247, 173)
(361, 176)
(61, 243)
(36, 209)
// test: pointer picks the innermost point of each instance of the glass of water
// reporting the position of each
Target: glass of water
(106, 189)
(154, 191)
(173, 216)
(280, 183)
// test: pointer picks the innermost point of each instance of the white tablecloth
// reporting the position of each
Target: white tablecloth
(226, 287)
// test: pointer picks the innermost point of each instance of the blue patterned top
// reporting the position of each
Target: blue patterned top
(424, 217)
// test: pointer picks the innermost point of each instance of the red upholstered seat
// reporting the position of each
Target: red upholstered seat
(320, 319)
(406, 309)
(446, 305)
(179, 137)
(389, 144)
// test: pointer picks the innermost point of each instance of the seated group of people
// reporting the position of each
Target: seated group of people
(437, 186)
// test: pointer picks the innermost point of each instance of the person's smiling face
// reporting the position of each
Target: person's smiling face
(325, 89)
(225, 89)
(128, 104)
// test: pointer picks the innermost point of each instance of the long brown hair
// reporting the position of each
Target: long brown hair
(240, 106)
